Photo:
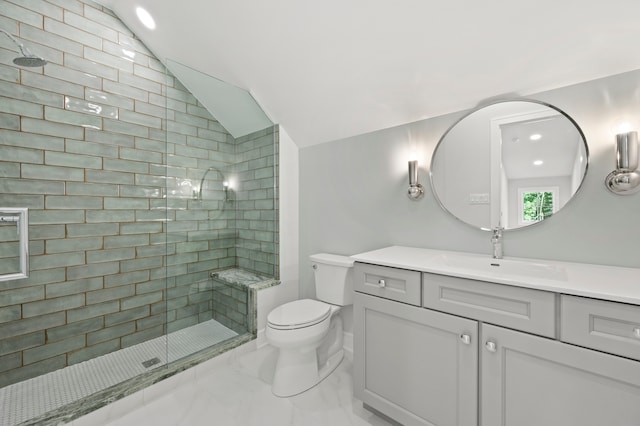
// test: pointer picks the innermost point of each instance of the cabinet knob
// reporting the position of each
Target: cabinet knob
(491, 346)
(636, 332)
(382, 284)
(466, 339)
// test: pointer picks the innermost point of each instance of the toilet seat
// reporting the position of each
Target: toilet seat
(298, 314)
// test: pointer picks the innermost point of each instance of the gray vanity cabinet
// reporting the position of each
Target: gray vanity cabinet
(446, 351)
(533, 381)
(416, 366)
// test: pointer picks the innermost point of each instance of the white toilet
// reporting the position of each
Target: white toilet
(308, 332)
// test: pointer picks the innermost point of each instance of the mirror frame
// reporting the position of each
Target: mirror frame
(489, 104)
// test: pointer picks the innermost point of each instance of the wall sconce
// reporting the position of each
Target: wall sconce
(416, 191)
(625, 180)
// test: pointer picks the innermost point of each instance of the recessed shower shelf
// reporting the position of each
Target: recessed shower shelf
(14, 243)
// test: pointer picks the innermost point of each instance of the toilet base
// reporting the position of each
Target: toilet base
(297, 372)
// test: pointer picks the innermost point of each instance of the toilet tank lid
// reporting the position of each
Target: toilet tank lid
(332, 259)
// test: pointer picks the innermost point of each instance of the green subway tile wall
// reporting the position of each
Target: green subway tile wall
(108, 151)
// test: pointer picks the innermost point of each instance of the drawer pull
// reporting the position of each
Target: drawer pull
(491, 346)
(636, 332)
(466, 339)
(382, 284)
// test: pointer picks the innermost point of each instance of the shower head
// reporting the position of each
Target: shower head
(30, 61)
(27, 59)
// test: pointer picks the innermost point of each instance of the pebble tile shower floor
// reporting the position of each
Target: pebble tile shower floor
(31, 398)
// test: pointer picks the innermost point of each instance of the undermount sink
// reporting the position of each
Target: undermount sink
(482, 265)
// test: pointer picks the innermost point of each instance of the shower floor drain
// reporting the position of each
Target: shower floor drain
(153, 361)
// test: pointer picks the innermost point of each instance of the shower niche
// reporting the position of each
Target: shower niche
(14, 243)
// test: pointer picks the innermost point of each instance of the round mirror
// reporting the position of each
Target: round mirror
(509, 164)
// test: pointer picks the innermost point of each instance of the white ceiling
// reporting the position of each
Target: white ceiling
(330, 69)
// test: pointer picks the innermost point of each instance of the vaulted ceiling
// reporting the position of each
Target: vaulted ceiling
(336, 68)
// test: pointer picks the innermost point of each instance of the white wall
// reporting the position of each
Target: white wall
(288, 204)
(352, 196)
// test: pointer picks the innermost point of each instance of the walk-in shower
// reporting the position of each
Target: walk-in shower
(27, 59)
(151, 226)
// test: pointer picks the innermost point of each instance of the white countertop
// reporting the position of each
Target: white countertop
(579, 279)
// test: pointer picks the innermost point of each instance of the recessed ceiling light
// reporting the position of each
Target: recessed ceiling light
(146, 18)
(538, 163)
(535, 136)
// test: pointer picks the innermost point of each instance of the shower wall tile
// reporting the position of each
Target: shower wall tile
(142, 83)
(28, 140)
(74, 329)
(30, 79)
(11, 361)
(37, 368)
(101, 216)
(50, 10)
(14, 186)
(95, 14)
(104, 137)
(98, 310)
(67, 245)
(93, 351)
(142, 336)
(10, 313)
(90, 26)
(48, 306)
(18, 107)
(41, 37)
(45, 127)
(20, 343)
(75, 188)
(29, 325)
(100, 176)
(38, 97)
(50, 261)
(21, 14)
(110, 333)
(66, 31)
(19, 155)
(72, 287)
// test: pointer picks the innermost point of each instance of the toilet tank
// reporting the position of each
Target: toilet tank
(333, 278)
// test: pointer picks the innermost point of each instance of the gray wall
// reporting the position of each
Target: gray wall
(352, 191)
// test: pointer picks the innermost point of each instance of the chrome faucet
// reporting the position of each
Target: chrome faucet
(496, 241)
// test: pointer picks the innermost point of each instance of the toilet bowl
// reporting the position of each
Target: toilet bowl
(307, 332)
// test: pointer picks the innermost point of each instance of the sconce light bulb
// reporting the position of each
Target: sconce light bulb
(225, 184)
(623, 128)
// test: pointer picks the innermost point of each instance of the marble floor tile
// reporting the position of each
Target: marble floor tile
(238, 393)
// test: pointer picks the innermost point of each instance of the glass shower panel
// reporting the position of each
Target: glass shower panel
(222, 192)
(82, 147)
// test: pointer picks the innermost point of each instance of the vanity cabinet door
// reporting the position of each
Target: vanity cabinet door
(533, 381)
(417, 366)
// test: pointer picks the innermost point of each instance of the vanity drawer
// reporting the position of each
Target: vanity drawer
(519, 308)
(391, 283)
(598, 324)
